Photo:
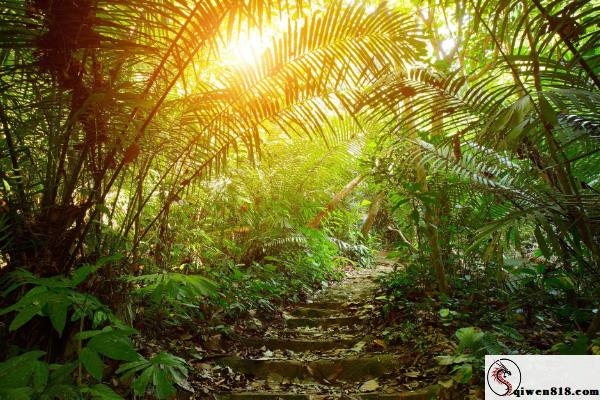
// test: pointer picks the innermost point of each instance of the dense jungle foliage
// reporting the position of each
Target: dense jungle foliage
(174, 166)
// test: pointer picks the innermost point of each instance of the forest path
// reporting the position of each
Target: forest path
(325, 350)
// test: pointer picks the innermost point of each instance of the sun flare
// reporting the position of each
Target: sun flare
(247, 49)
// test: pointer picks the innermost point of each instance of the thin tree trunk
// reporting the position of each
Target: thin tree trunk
(371, 215)
(10, 144)
(435, 255)
(594, 326)
(404, 240)
(316, 221)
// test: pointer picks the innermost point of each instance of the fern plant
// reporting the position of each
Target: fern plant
(161, 372)
(473, 345)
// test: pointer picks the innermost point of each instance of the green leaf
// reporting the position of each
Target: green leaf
(57, 311)
(549, 114)
(62, 373)
(579, 347)
(163, 387)
(24, 371)
(26, 314)
(463, 373)
(537, 232)
(114, 345)
(103, 392)
(141, 383)
(81, 274)
(509, 332)
(87, 334)
(92, 362)
(23, 393)
(132, 367)
(37, 294)
(469, 338)
(40, 374)
(6, 186)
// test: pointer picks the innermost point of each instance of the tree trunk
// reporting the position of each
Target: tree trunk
(594, 326)
(371, 215)
(316, 221)
(435, 255)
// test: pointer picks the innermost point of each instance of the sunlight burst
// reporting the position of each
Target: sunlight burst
(245, 50)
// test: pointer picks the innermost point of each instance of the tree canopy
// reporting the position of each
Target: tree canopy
(168, 164)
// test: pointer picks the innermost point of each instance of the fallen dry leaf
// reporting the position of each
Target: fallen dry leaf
(369, 386)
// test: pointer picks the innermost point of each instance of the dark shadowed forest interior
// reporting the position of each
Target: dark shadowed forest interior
(294, 199)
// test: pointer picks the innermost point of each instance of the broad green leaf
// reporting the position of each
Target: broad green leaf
(579, 347)
(6, 186)
(463, 373)
(23, 393)
(92, 362)
(103, 392)
(132, 367)
(141, 383)
(88, 334)
(24, 316)
(162, 386)
(548, 112)
(62, 373)
(469, 338)
(81, 274)
(57, 311)
(17, 371)
(40, 375)
(37, 294)
(114, 345)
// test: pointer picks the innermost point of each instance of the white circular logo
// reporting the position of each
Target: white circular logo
(503, 377)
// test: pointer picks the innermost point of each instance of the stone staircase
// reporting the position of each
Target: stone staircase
(318, 355)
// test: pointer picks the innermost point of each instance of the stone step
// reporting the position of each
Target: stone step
(322, 322)
(429, 393)
(314, 312)
(265, 396)
(352, 297)
(328, 305)
(297, 345)
(348, 369)
(352, 333)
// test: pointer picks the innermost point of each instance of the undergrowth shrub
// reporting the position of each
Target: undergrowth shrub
(96, 340)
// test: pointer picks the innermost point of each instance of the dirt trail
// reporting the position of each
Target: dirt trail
(324, 351)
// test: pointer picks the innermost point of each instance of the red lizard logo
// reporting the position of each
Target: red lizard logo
(500, 373)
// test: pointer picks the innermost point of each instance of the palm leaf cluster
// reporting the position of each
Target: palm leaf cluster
(519, 124)
(124, 102)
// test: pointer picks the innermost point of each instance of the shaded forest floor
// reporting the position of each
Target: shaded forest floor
(373, 334)
(335, 345)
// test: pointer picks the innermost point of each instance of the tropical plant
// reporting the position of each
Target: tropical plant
(25, 377)
(162, 370)
(502, 133)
